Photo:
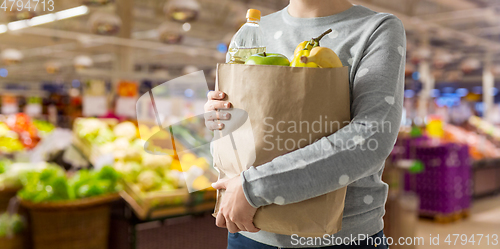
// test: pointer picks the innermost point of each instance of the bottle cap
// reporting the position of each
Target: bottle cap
(253, 14)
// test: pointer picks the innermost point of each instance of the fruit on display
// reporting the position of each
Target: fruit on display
(142, 171)
(22, 125)
(268, 59)
(194, 168)
(323, 57)
(9, 140)
(149, 180)
(304, 49)
(19, 133)
(11, 224)
(149, 172)
(126, 130)
(94, 131)
(52, 184)
(43, 127)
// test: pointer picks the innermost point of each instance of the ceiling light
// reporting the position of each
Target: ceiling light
(11, 56)
(186, 27)
(17, 25)
(83, 61)
(77, 11)
(38, 20)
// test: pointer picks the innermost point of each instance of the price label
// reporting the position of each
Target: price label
(125, 106)
(164, 108)
(33, 109)
(95, 106)
(10, 109)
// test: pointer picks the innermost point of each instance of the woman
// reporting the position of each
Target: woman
(373, 45)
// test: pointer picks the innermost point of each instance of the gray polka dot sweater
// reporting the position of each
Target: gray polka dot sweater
(373, 45)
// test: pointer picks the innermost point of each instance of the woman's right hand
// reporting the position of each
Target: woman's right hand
(212, 114)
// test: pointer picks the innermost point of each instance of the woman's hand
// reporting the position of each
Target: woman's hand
(212, 114)
(235, 213)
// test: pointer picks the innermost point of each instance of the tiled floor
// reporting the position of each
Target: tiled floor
(484, 219)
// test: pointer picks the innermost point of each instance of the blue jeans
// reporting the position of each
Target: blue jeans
(238, 241)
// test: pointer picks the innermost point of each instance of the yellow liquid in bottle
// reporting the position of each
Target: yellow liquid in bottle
(240, 55)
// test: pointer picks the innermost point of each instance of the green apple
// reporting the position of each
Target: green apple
(268, 59)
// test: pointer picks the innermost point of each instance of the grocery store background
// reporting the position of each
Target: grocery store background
(94, 58)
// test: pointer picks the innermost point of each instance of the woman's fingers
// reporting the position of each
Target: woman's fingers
(231, 226)
(212, 115)
(217, 115)
(212, 95)
(249, 226)
(213, 105)
(214, 125)
(220, 221)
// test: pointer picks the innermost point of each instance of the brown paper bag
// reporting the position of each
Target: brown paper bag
(277, 98)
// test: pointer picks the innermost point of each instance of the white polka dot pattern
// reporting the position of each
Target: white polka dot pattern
(301, 164)
(334, 34)
(389, 100)
(279, 200)
(363, 72)
(401, 50)
(278, 34)
(343, 180)
(368, 199)
(358, 139)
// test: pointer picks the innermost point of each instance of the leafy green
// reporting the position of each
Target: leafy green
(11, 224)
(4, 165)
(51, 184)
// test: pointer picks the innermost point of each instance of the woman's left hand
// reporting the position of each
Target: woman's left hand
(235, 213)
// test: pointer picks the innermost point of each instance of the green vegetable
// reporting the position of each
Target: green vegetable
(43, 127)
(11, 224)
(51, 184)
(4, 165)
(149, 180)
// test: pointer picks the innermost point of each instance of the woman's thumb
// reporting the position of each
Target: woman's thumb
(220, 184)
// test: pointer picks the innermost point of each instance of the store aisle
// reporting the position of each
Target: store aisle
(484, 219)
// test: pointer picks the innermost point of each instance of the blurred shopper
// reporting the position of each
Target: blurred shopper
(373, 45)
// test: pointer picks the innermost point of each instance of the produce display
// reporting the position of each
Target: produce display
(22, 125)
(142, 171)
(9, 140)
(53, 184)
(4, 164)
(11, 173)
(44, 127)
(94, 131)
(479, 146)
(479, 135)
(18, 133)
(11, 225)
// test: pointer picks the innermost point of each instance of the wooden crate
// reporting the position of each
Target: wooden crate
(155, 204)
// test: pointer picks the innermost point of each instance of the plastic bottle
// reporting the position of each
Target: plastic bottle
(247, 41)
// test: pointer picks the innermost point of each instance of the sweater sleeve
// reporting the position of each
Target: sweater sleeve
(357, 150)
